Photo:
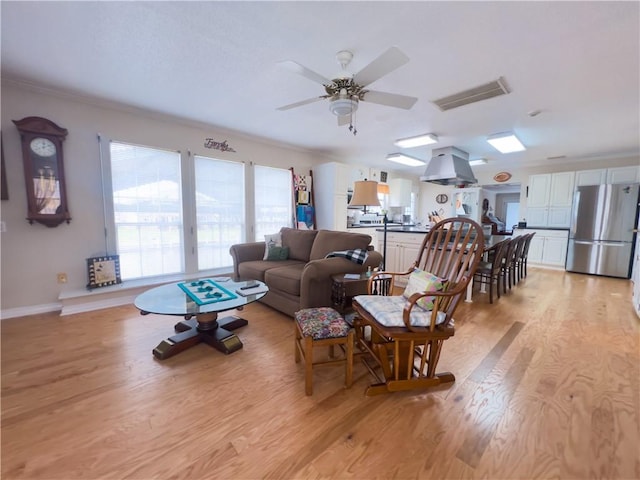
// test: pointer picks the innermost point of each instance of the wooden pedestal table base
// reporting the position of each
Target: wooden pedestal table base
(206, 328)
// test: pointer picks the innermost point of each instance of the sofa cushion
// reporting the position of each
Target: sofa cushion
(285, 278)
(299, 242)
(255, 270)
(278, 253)
(270, 242)
(328, 241)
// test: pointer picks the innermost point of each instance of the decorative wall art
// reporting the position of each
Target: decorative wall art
(502, 177)
(42, 157)
(222, 146)
(103, 271)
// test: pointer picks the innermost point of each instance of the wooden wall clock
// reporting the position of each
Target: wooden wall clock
(43, 162)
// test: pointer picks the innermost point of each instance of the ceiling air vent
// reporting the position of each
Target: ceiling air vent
(488, 90)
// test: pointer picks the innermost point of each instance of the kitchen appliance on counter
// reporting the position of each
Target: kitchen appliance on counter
(602, 235)
(371, 219)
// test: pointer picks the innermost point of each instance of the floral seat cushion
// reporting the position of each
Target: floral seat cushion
(388, 311)
(322, 322)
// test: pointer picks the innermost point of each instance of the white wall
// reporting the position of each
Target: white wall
(32, 255)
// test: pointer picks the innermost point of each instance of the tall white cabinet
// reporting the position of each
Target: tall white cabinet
(549, 199)
(331, 182)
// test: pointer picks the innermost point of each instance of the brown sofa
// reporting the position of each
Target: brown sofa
(304, 279)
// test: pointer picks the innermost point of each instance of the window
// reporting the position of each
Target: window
(147, 210)
(273, 200)
(220, 210)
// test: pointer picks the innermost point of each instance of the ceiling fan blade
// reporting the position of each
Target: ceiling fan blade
(344, 120)
(299, 104)
(385, 63)
(304, 71)
(389, 99)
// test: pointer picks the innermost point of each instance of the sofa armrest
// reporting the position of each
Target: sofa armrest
(315, 286)
(245, 252)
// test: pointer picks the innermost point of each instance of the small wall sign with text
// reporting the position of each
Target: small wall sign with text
(222, 146)
(502, 177)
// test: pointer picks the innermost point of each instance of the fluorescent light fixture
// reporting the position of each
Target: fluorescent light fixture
(478, 161)
(506, 142)
(405, 160)
(420, 140)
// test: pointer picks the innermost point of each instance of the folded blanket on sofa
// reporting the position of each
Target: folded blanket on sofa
(359, 255)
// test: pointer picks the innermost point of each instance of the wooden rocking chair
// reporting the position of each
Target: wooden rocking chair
(405, 339)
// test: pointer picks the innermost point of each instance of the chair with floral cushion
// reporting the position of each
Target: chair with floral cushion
(404, 334)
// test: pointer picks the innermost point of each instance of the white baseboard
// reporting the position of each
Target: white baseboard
(30, 310)
(79, 301)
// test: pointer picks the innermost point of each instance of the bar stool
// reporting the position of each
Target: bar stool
(323, 326)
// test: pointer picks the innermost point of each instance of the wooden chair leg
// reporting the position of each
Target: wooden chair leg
(308, 365)
(490, 289)
(296, 344)
(349, 360)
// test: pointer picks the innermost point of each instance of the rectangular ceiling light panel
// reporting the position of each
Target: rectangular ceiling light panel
(418, 141)
(506, 142)
(483, 92)
(478, 161)
(405, 160)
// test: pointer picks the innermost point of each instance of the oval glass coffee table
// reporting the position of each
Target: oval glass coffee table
(199, 302)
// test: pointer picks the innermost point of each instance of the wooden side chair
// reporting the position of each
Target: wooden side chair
(517, 258)
(404, 334)
(522, 260)
(507, 271)
(489, 273)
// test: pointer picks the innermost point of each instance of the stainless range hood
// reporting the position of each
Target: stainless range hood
(449, 166)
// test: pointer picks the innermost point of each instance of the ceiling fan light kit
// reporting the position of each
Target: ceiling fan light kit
(343, 106)
(346, 90)
(417, 141)
(506, 142)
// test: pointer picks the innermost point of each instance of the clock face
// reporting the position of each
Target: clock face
(43, 147)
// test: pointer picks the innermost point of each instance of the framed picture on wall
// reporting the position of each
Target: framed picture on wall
(103, 271)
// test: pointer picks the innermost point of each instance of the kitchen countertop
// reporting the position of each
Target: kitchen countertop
(405, 229)
(531, 227)
(375, 225)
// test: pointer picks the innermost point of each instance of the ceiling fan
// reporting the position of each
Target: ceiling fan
(347, 90)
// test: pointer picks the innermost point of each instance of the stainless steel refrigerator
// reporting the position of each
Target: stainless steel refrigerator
(602, 234)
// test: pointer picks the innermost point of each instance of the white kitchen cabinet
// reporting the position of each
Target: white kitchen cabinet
(330, 184)
(547, 248)
(539, 188)
(624, 174)
(400, 192)
(601, 176)
(549, 199)
(402, 251)
(591, 177)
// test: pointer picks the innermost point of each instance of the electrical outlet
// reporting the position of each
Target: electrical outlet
(62, 278)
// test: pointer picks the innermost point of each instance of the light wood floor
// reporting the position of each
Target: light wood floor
(547, 387)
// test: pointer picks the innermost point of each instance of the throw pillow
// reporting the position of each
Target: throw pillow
(421, 281)
(278, 253)
(274, 240)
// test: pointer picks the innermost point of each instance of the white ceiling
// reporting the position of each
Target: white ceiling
(216, 62)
